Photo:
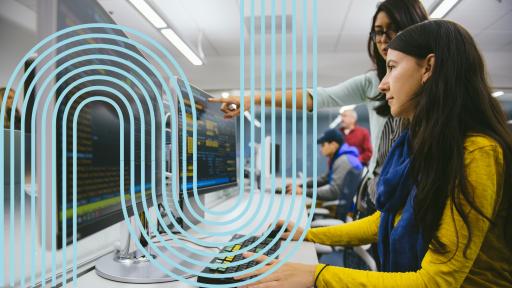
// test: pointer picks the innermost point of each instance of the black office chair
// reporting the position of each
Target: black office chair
(354, 257)
(345, 199)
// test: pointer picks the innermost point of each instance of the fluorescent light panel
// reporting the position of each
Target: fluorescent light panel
(336, 122)
(443, 8)
(254, 121)
(498, 93)
(159, 23)
(347, 107)
(149, 13)
(181, 46)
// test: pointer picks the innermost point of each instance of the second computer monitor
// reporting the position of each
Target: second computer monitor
(216, 143)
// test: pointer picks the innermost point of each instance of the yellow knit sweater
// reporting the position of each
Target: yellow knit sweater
(488, 262)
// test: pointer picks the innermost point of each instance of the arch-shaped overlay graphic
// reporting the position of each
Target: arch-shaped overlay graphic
(152, 119)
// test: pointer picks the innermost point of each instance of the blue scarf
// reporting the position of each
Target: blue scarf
(401, 247)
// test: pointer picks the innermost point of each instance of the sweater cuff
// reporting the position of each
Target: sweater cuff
(319, 274)
(307, 238)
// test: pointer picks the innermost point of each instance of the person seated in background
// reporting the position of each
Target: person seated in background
(356, 135)
(8, 109)
(444, 196)
(342, 158)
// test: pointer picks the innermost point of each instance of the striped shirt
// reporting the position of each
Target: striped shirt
(390, 132)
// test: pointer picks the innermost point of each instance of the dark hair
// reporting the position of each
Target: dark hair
(453, 103)
(8, 109)
(402, 13)
(332, 135)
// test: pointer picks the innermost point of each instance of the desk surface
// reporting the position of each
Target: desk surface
(246, 213)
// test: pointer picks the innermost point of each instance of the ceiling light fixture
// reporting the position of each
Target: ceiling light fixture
(498, 93)
(159, 23)
(149, 13)
(443, 8)
(335, 122)
(347, 107)
(254, 121)
(181, 46)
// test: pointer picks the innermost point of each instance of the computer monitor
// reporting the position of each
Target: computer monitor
(216, 144)
(98, 133)
(277, 151)
(99, 125)
(98, 188)
(263, 164)
(270, 148)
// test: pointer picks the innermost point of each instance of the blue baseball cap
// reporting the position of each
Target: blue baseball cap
(331, 135)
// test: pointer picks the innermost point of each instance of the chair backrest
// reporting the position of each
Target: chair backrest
(349, 189)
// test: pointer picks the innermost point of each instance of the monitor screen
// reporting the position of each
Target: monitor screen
(277, 151)
(216, 143)
(98, 128)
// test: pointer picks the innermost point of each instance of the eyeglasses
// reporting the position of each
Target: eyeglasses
(377, 35)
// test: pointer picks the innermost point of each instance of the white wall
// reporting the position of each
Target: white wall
(15, 41)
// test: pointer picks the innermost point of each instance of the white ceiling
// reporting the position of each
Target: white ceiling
(343, 26)
(342, 34)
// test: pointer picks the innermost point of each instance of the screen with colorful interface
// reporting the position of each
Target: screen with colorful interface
(216, 143)
(99, 166)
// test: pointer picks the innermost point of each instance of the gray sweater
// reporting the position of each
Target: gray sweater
(326, 191)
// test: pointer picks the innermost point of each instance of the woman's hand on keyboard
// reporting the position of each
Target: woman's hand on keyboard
(289, 229)
(289, 189)
(292, 275)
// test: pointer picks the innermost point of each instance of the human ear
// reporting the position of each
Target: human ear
(429, 67)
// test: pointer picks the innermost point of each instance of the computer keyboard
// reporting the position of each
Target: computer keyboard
(230, 259)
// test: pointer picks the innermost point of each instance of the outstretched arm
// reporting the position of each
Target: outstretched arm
(235, 111)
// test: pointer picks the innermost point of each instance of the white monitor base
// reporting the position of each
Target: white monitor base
(138, 269)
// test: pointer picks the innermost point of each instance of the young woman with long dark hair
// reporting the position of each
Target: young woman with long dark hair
(444, 197)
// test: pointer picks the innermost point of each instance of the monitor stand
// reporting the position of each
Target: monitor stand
(134, 267)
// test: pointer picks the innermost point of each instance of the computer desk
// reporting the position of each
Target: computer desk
(305, 252)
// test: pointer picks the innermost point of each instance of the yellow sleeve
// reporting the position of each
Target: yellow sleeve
(484, 168)
(360, 232)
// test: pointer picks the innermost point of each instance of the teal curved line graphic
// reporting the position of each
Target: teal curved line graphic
(113, 58)
(194, 153)
(98, 77)
(100, 67)
(44, 142)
